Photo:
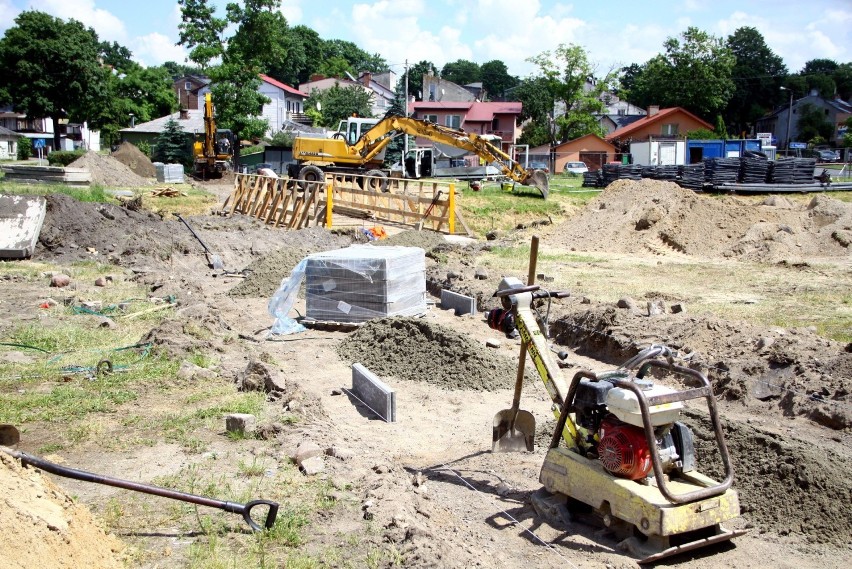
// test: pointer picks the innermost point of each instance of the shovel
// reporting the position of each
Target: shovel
(429, 210)
(213, 260)
(9, 435)
(514, 429)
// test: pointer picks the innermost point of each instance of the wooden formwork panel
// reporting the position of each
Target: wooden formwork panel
(280, 202)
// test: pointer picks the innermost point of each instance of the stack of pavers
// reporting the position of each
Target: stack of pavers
(613, 172)
(803, 170)
(593, 179)
(719, 171)
(754, 170)
(363, 282)
(691, 176)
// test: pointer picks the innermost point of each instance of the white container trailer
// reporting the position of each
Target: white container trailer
(659, 152)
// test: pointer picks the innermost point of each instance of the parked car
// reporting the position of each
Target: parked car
(827, 156)
(539, 166)
(576, 168)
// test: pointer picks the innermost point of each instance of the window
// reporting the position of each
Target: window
(495, 124)
(187, 86)
(453, 121)
(431, 118)
(669, 129)
(432, 92)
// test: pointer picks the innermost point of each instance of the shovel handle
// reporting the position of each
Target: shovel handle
(194, 234)
(522, 359)
(242, 509)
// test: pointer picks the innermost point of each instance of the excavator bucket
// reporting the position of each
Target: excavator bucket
(539, 180)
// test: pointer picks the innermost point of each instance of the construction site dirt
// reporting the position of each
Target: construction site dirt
(426, 490)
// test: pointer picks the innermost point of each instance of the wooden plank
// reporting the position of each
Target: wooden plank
(312, 188)
(285, 206)
(274, 205)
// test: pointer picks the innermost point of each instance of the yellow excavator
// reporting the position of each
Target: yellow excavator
(358, 148)
(214, 154)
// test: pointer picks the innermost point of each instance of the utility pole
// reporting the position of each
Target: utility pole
(405, 136)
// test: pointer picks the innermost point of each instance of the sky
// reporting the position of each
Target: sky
(614, 33)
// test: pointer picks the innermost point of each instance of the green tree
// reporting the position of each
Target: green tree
(396, 147)
(461, 72)
(338, 103)
(358, 59)
(537, 110)
(235, 80)
(812, 124)
(843, 80)
(567, 78)
(758, 75)
(627, 80)
(25, 148)
(496, 79)
(415, 77)
(172, 144)
(695, 73)
(336, 66)
(51, 69)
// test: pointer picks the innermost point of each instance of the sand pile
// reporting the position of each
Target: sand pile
(651, 215)
(41, 526)
(129, 155)
(108, 171)
(415, 349)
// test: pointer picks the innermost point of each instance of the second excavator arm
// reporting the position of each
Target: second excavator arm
(372, 142)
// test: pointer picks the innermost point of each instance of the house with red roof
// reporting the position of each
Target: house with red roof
(674, 122)
(495, 118)
(285, 103)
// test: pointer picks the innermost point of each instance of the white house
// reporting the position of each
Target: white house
(285, 103)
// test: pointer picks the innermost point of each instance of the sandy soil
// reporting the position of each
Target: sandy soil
(428, 483)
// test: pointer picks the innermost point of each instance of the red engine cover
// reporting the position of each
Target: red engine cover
(623, 449)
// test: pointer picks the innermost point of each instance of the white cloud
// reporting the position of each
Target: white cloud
(108, 27)
(292, 10)
(8, 13)
(155, 49)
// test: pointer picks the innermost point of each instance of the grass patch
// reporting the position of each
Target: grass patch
(197, 201)
(94, 193)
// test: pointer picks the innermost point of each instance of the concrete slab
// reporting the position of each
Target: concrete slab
(460, 303)
(374, 392)
(21, 218)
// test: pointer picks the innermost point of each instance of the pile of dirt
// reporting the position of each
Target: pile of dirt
(796, 371)
(129, 155)
(632, 216)
(108, 171)
(264, 275)
(426, 240)
(41, 526)
(784, 484)
(75, 230)
(416, 349)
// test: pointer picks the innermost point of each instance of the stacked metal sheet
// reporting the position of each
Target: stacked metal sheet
(660, 172)
(363, 282)
(691, 176)
(719, 171)
(613, 172)
(593, 179)
(754, 170)
(781, 171)
(803, 170)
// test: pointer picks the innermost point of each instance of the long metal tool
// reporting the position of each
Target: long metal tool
(514, 429)
(214, 260)
(429, 209)
(10, 435)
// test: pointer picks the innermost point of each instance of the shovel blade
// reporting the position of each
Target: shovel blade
(215, 262)
(514, 431)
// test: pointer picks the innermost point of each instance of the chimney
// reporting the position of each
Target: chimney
(184, 114)
(316, 77)
(366, 77)
(653, 110)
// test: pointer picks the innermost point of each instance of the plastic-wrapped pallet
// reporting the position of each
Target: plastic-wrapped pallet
(169, 173)
(363, 282)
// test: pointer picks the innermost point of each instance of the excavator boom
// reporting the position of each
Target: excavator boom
(365, 151)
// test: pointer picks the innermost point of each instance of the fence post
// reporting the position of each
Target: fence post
(452, 212)
(329, 200)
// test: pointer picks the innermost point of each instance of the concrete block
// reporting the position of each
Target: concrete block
(240, 423)
(374, 392)
(313, 465)
(306, 450)
(460, 303)
(21, 218)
